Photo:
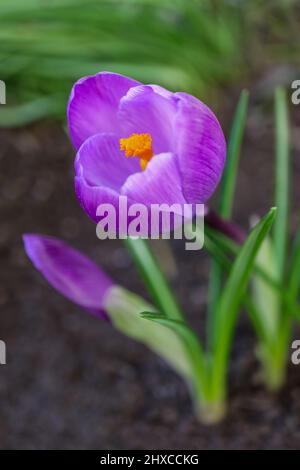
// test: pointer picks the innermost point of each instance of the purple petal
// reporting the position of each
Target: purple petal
(90, 197)
(71, 273)
(93, 105)
(100, 171)
(159, 184)
(201, 148)
(101, 162)
(149, 109)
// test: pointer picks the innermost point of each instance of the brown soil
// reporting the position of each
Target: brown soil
(73, 382)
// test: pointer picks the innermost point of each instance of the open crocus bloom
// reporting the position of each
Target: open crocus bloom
(143, 142)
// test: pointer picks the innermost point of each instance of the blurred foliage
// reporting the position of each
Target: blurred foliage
(47, 45)
(192, 45)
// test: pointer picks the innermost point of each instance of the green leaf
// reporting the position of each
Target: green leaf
(225, 244)
(125, 308)
(244, 263)
(282, 179)
(214, 289)
(294, 271)
(191, 343)
(153, 277)
(234, 146)
(227, 190)
(223, 241)
(218, 245)
(267, 299)
(216, 250)
(230, 300)
(257, 320)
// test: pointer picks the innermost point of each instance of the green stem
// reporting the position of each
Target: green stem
(209, 407)
(210, 412)
(154, 278)
(282, 179)
(273, 356)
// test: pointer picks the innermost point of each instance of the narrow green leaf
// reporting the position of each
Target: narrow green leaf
(124, 309)
(216, 251)
(256, 318)
(230, 300)
(153, 277)
(222, 242)
(216, 244)
(214, 289)
(234, 146)
(282, 179)
(191, 343)
(219, 247)
(294, 271)
(225, 205)
(267, 299)
(226, 244)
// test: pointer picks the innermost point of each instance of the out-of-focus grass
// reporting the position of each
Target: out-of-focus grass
(47, 45)
(192, 45)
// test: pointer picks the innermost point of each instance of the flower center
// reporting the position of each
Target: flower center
(138, 145)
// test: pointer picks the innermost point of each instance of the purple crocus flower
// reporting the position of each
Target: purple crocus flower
(143, 142)
(71, 273)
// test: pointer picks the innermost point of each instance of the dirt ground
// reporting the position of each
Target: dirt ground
(71, 381)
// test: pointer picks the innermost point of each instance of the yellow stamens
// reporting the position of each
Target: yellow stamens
(138, 145)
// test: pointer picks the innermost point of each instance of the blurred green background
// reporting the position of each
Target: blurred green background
(199, 46)
(56, 391)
